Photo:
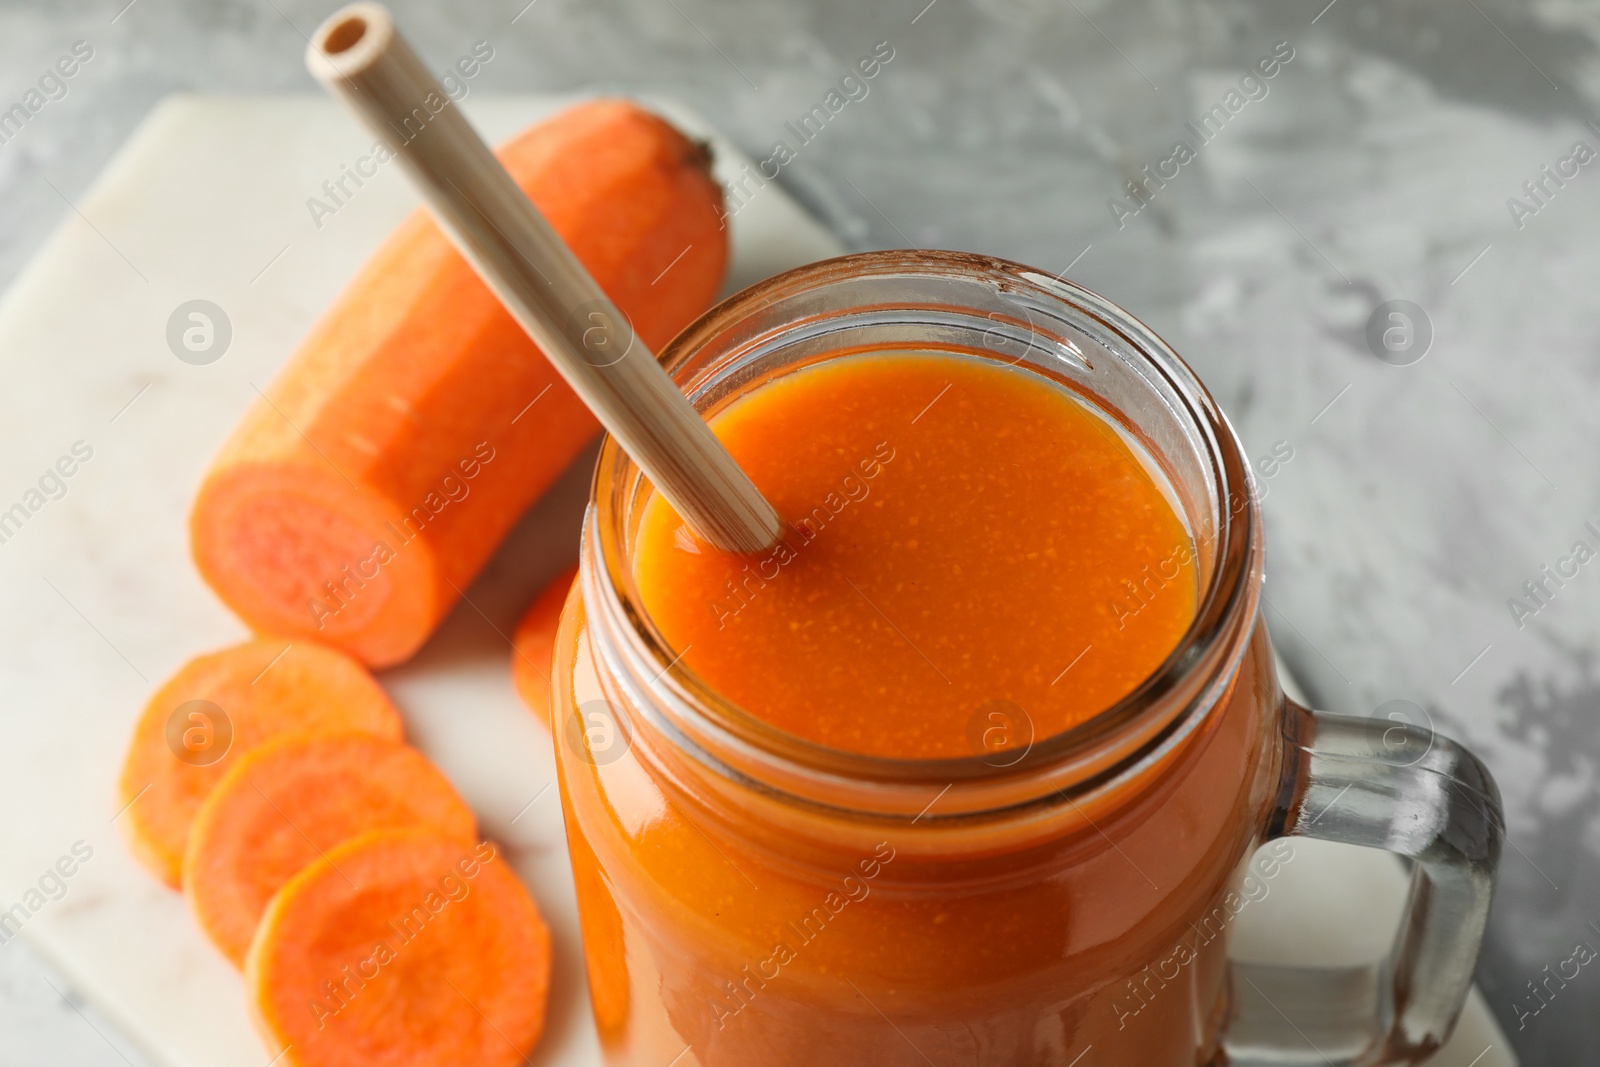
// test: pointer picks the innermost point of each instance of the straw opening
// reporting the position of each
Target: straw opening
(345, 36)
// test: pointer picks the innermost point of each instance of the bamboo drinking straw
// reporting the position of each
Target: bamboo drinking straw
(360, 57)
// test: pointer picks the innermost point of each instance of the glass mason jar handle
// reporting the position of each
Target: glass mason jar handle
(1409, 791)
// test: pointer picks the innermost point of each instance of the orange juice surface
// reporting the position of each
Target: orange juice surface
(970, 549)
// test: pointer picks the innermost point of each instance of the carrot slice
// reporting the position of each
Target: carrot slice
(401, 947)
(216, 708)
(417, 421)
(289, 801)
(533, 644)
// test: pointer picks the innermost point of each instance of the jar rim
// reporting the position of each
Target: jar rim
(1135, 730)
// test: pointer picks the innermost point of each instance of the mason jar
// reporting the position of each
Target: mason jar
(748, 897)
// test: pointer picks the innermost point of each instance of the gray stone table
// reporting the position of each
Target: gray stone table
(1435, 152)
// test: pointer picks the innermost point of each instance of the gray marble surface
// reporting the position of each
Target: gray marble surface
(1378, 164)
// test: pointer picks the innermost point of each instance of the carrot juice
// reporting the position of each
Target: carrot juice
(970, 768)
(1007, 549)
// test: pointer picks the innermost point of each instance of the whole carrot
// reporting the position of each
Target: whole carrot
(367, 486)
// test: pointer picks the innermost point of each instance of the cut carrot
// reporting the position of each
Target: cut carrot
(288, 802)
(401, 947)
(220, 706)
(533, 644)
(417, 421)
